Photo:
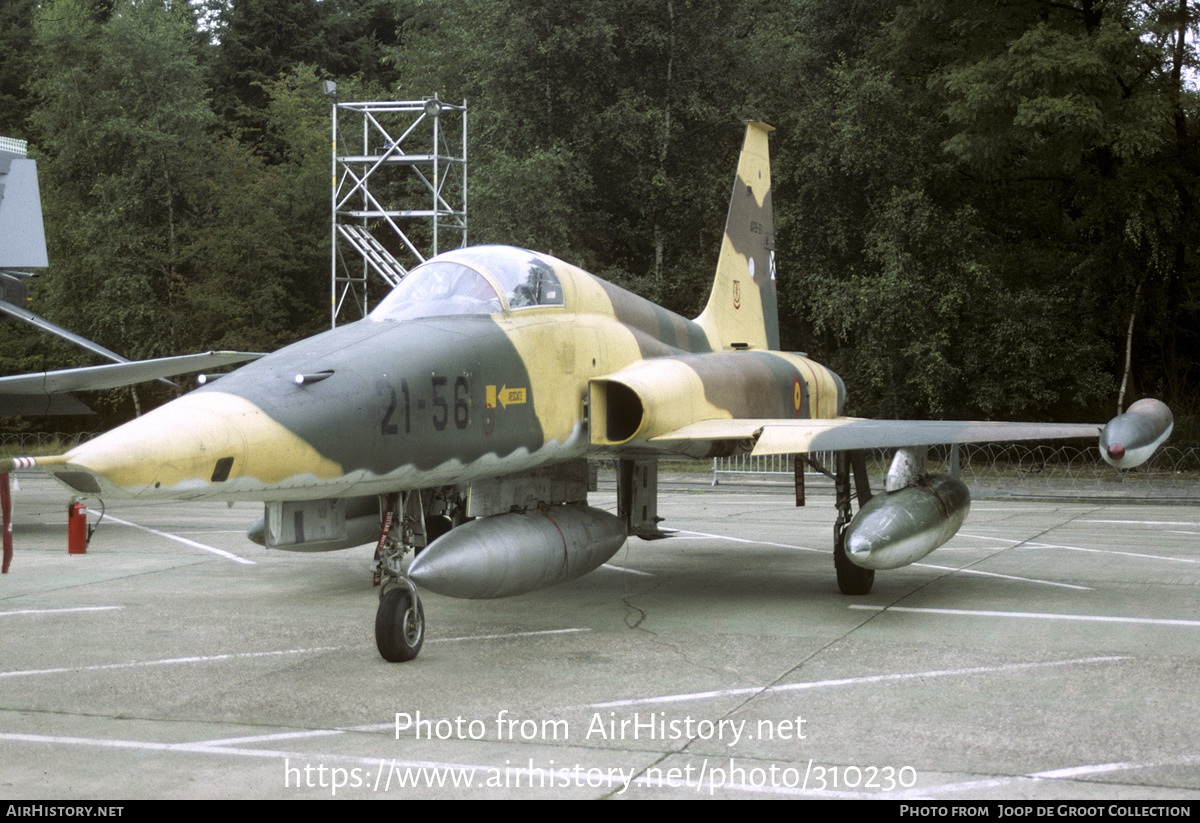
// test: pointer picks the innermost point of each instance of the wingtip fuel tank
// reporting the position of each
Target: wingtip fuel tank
(1129, 439)
(519, 552)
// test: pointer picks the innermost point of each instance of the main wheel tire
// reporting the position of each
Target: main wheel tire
(851, 578)
(400, 625)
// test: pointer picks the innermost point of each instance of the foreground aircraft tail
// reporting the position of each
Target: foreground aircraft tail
(22, 234)
(742, 312)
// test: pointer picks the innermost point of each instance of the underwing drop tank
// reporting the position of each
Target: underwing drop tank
(519, 552)
(898, 528)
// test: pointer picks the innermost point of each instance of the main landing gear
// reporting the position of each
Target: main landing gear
(851, 578)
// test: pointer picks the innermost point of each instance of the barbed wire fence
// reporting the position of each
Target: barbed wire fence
(31, 443)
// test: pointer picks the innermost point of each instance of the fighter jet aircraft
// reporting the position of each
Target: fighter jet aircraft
(454, 424)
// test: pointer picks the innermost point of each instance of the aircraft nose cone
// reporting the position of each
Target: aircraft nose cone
(184, 445)
(208, 444)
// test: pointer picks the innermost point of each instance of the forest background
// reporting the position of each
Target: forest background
(983, 210)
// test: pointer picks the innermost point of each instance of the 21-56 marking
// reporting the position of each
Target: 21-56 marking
(448, 404)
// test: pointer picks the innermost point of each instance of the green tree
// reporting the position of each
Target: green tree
(259, 263)
(260, 41)
(16, 66)
(124, 124)
(995, 188)
(603, 133)
(1083, 135)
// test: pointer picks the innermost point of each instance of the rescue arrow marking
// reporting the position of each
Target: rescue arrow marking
(511, 396)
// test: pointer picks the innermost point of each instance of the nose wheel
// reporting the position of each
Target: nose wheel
(400, 624)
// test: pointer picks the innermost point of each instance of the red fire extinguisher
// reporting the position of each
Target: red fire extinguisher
(77, 528)
(5, 523)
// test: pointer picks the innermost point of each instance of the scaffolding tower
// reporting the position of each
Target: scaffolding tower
(399, 193)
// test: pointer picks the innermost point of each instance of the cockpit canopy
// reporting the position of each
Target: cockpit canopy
(476, 280)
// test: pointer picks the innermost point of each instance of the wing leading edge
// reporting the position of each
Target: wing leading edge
(785, 436)
(781, 437)
(1126, 441)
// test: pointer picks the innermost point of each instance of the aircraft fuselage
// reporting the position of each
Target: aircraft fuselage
(385, 405)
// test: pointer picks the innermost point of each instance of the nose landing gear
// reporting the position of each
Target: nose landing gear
(400, 622)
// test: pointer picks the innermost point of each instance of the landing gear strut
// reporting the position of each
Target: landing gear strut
(411, 521)
(400, 620)
(852, 579)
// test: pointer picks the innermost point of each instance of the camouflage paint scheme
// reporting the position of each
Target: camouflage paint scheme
(485, 378)
(384, 405)
(478, 386)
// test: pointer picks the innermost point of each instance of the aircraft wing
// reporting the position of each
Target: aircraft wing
(788, 436)
(114, 375)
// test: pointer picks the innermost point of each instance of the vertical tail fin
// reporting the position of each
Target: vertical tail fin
(22, 236)
(742, 310)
